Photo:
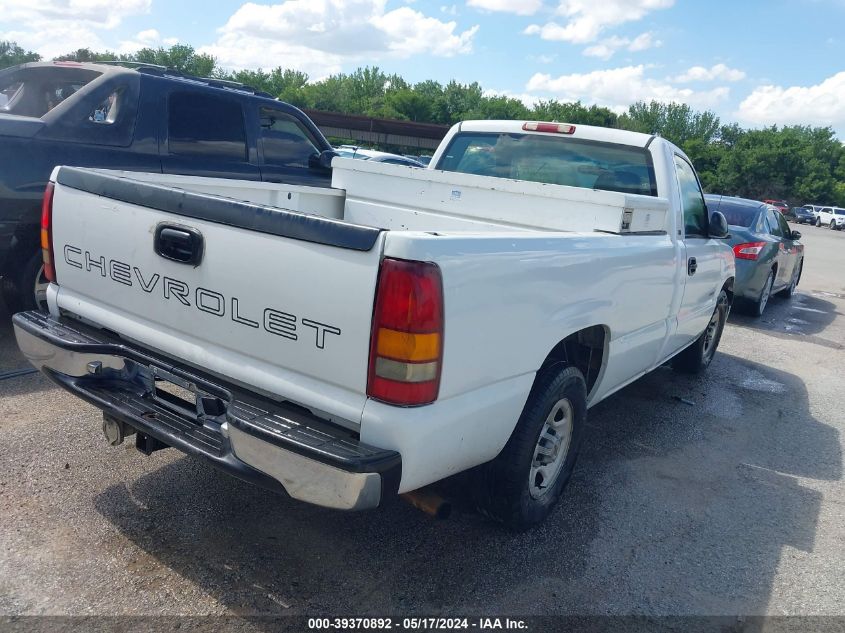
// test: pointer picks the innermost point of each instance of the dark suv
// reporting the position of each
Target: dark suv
(146, 118)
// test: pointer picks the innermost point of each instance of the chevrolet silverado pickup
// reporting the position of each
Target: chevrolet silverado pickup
(350, 343)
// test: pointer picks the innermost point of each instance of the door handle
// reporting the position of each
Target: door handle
(177, 243)
(692, 266)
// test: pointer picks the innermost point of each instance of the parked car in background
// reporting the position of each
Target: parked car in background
(802, 215)
(780, 205)
(351, 151)
(831, 217)
(769, 257)
(147, 119)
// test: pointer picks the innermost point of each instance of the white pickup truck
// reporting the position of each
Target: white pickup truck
(350, 343)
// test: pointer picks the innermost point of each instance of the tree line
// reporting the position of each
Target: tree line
(799, 163)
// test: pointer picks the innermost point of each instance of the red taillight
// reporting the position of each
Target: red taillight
(47, 233)
(749, 250)
(406, 347)
(554, 128)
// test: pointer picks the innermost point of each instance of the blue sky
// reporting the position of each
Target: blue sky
(751, 61)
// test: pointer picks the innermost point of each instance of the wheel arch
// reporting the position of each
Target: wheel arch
(586, 349)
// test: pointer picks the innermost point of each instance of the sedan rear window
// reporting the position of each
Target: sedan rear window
(554, 160)
(738, 214)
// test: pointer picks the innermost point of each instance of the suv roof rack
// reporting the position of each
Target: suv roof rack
(128, 64)
(164, 71)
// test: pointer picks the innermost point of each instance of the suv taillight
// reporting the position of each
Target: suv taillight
(406, 346)
(47, 233)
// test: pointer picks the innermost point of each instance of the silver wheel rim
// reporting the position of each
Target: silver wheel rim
(710, 332)
(764, 299)
(551, 449)
(40, 289)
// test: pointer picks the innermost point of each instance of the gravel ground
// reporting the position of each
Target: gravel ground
(733, 504)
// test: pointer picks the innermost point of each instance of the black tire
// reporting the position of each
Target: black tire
(756, 308)
(818, 222)
(19, 292)
(832, 225)
(501, 487)
(789, 291)
(696, 358)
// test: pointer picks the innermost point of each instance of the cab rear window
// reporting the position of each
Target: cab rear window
(553, 160)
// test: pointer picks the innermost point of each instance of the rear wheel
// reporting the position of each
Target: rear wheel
(27, 290)
(698, 356)
(524, 482)
(793, 286)
(758, 307)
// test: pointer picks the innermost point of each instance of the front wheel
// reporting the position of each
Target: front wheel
(832, 225)
(695, 358)
(524, 482)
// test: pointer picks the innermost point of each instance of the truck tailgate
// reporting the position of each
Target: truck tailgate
(278, 299)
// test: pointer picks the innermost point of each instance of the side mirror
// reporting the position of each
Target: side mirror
(719, 226)
(796, 235)
(323, 160)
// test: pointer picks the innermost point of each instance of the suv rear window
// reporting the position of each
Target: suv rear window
(35, 91)
(554, 160)
(206, 125)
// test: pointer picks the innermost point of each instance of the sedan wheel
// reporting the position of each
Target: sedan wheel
(763, 301)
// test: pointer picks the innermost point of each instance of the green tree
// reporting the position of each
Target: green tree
(181, 57)
(87, 55)
(410, 105)
(574, 112)
(11, 55)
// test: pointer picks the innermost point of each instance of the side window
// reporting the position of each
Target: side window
(206, 125)
(695, 211)
(763, 224)
(107, 111)
(784, 226)
(774, 225)
(284, 140)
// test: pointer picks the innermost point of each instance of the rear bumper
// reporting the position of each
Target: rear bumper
(275, 445)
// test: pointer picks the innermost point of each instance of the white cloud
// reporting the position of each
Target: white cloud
(643, 42)
(617, 88)
(519, 7)
(719, 72)
(821, 104)
(54, 27)
(606, 48)
(541, 59)
(587, 19)
(318, 36)
(149, 38)
(150, 35)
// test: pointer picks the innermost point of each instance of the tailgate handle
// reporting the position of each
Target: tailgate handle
(179, 243)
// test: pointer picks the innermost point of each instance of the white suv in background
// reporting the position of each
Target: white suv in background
(833, 217)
